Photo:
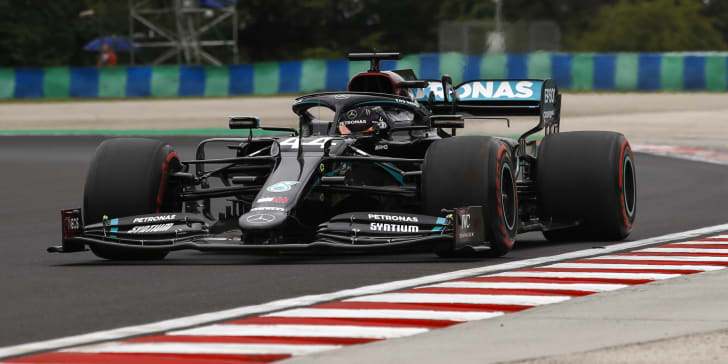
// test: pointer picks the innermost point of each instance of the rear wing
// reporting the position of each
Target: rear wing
(495, 98)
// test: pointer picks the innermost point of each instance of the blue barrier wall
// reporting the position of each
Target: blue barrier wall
(575, 71)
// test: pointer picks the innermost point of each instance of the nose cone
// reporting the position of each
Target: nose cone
(261, 220)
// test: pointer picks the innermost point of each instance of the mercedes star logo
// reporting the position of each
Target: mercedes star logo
(351, 114)
(260, 218)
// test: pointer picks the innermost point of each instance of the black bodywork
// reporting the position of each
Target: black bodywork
(310, 187)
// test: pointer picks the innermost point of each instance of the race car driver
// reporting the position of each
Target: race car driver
(362, 120)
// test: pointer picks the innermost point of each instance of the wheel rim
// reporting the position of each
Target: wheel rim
(629, 183)
(508, 196)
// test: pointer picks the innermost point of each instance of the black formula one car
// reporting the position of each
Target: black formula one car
(387, 172)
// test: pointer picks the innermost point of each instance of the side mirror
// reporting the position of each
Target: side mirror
(447, 90)
(414, 84)
(447, 121)
(244, 122)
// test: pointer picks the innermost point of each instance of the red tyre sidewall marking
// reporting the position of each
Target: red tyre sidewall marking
(622, 199)
(163, 180)
(498, 186)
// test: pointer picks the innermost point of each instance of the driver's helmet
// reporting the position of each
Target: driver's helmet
(363, 119)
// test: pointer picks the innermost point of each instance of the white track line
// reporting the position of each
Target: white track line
(634, 266)
(588, 287)
(538, 274)
(373, 332)
(209, 317)
(201, 348)
(461, 298)
(703, 243)
(684, 250)
(386, 314)
(657, 257)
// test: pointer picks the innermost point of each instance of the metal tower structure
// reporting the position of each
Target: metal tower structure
(183, 29)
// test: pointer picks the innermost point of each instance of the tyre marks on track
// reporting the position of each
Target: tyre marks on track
(401, 313)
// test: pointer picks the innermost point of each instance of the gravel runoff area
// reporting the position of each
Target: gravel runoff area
(692, 119)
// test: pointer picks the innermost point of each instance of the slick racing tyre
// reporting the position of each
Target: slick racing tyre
(587, 177)
(473, 171)
(128, 176)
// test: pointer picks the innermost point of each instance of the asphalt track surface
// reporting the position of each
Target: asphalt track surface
(45, 296)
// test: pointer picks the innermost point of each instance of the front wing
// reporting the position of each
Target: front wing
(349, 232)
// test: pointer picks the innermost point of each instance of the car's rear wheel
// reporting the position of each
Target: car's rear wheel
(587, 178)
(128, 176)
(473, 171)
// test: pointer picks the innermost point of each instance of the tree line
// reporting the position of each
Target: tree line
(49, 33)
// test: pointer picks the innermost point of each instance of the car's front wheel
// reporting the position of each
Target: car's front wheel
(474, 171)
(128, 176)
